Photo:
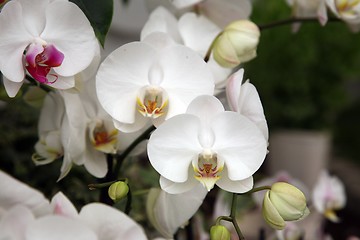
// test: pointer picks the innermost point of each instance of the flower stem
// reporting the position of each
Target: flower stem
(292, 20)
(257, 189)
(233, 217)
(208, 53)
(120, 158)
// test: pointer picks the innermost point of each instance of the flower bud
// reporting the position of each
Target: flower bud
(219, 232)
(236, 44)
(283, 202)
(118, 190)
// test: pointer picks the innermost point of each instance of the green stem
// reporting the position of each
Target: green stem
(128, 202)
(257, 189)
(120, 158)
(292, 20)
(233, 217)
(208, 53)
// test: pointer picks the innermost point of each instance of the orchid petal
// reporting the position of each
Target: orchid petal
(205, 107)
(139, 123)
(240, 186)
(161, 20)
(11, 88)
(239, 143)
(181, 79)
(64, 19)
(63, 206)
(120, 76)
(184, 3)
(226, 11)
(59, 228)
(159, 40)
(169, 212)
(249, 105)
(62, 82)
(34, 15)
(53, 106)
(220, 73)
(322, 13)
(197, 32)
(178, 188)
(173, 146)
(109, 223)
(233, 88)
(14, 192)
(95, 162)
(13, 40)
(14, 222)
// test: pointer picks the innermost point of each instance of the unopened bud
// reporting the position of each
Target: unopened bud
(236, 44)
(283, 202)
(118, 190)
(219, 232)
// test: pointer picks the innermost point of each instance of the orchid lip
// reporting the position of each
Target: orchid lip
(39, 61)
(152, 101)
(207, 169)
(103, 139)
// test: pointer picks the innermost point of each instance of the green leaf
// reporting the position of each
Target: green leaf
(99, 13)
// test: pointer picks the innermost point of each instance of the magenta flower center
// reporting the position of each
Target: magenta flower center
(39, 60)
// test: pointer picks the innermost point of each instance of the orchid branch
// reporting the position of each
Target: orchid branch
(292, 20)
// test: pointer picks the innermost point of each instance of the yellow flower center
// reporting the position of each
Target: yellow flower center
(207, 169)
(152, 103)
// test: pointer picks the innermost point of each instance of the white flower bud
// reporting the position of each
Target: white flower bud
(236, 44)
(283, 202)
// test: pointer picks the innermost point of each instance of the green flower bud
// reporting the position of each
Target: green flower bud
(118, 190)
(283, 202)
(236, 44)
(219, 232)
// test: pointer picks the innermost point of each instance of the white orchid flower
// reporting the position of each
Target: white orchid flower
(329, 195)
(150, 80)
(347, 10)
(50, 40)
(167, 213)
(244, 99)
(207, 145)
(26, 214)
(194, 31)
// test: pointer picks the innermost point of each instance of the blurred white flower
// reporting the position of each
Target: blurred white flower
(347, 10)
(329, 196)
(308, 9)
(26, 214)
(35, 38)
(207, 145)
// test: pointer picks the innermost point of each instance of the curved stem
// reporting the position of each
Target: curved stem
(120, 158)
(208, 53)
(293, 20)
(257, 189)
(233, 217)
